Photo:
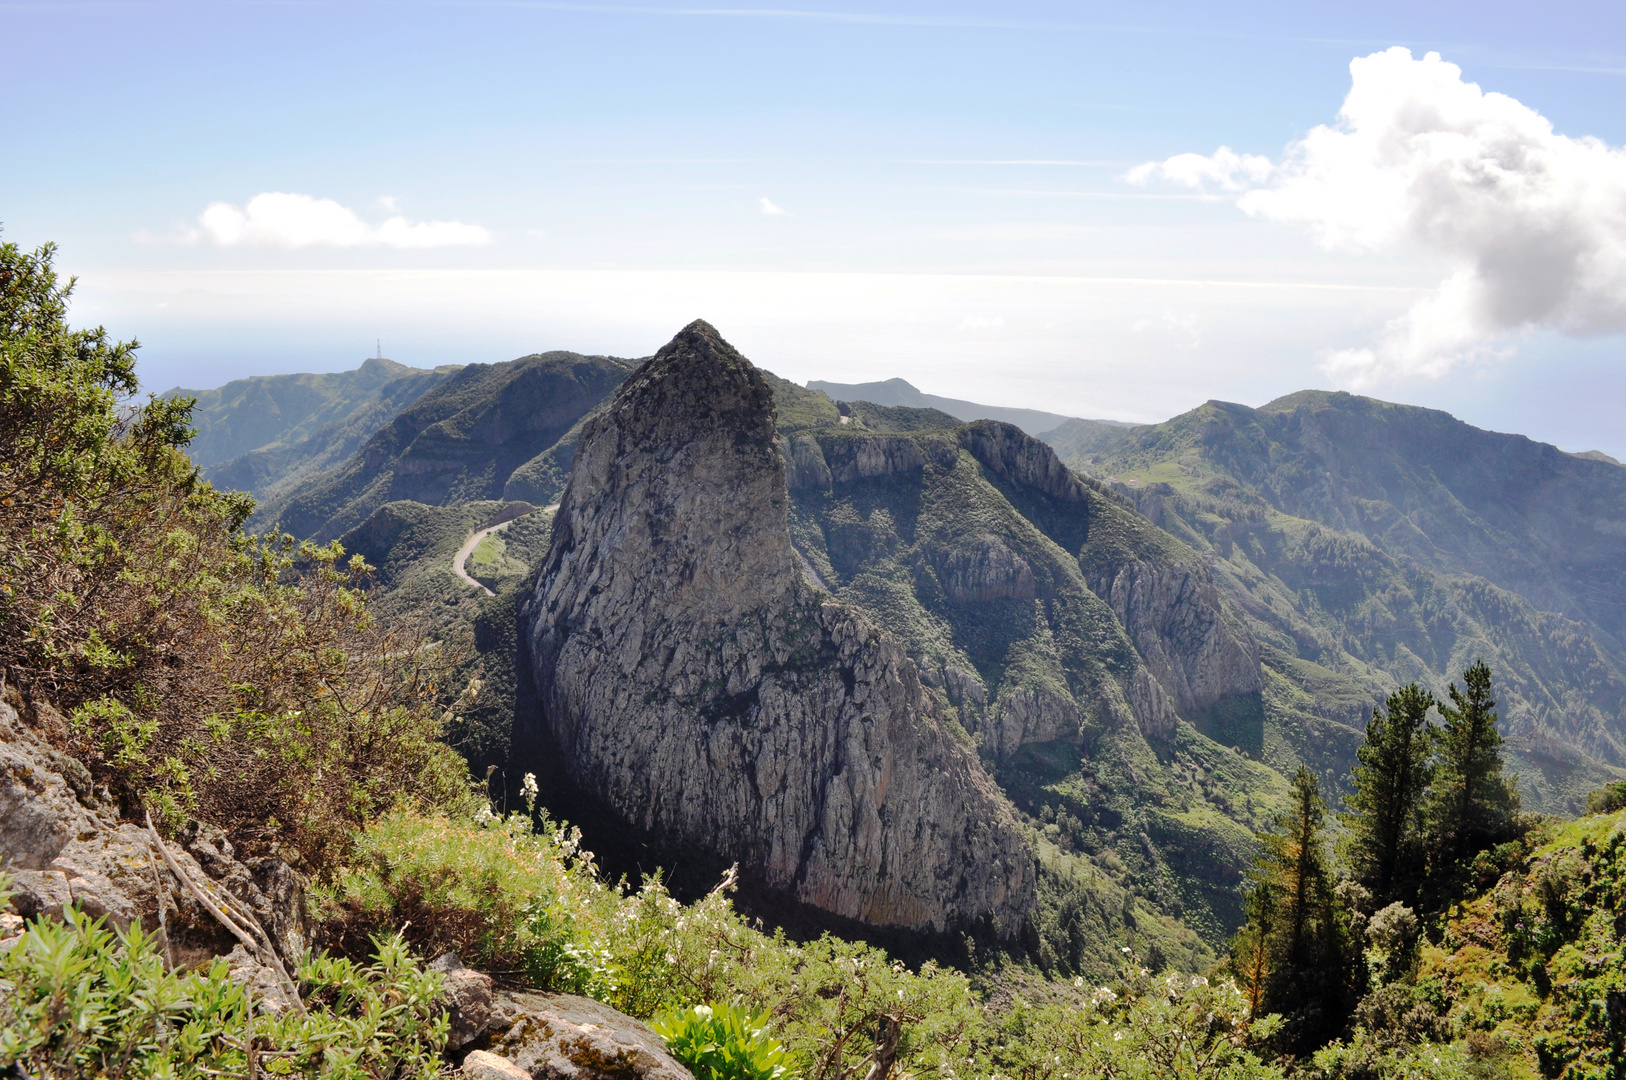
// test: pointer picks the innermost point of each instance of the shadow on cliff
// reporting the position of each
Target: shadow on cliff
(507, 734)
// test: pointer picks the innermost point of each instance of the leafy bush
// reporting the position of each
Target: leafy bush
(722, 1042)
(77, 1000)
(531, 905)
(1174, 1026)
(208, 673)
(1607, 799)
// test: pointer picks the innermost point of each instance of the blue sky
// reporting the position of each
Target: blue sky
(850, 191)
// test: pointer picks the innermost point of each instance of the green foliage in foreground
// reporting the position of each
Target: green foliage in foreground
(722, 1042)
(77, 1000)
(1177, 1027)
(531, 904)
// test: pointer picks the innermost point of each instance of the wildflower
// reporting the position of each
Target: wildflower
(483, 815)
(528, 788)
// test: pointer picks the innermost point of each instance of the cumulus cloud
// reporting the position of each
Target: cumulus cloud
(1533, 222)
(771, 210)
(285, 220)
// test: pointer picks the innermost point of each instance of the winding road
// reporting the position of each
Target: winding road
(473, 542)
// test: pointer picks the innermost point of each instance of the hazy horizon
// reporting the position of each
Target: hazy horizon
(1031, 205)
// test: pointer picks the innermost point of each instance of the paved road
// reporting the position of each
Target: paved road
(473, 542)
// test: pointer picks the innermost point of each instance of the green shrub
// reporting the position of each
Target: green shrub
(1174, 1026)
(208, 674)
(1607, 799)
(78, 1000)
(722, 1042)
(530, 904)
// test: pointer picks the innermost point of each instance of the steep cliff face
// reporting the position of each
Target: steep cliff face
(697, 684)
(1162, 594)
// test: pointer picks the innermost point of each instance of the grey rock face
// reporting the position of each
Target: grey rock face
(700, 687)
(1173, 614)
(1022, 460)
(563, 1037)
(64, 847)
(805, 467)
(987, 570)
(1030, 716)
(467, 995)
(1169, 607)
(868, 457)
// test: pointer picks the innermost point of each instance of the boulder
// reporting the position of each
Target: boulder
(467, 995)
(564, 1037)
(483, 1065)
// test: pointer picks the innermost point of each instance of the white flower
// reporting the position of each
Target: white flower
(483, 815)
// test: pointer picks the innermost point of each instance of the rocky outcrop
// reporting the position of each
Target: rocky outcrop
(1025, 715)
(1021, 460)
(468, 1000)
(805, 467)
(564, 1037)
(697, 685)
(986, 569)
(1173, 614)
(857, 456)
(62, 842)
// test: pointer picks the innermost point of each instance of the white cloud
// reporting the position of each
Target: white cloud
(1225, 169)
(982, 322)
(1533, 222)
(286, 220)
(770, 210)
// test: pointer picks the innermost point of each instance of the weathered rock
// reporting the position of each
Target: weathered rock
(1016, 457)
(263, 984)
(1022, 716)
(467, 995)
(986, 570)
(484, 1065)
(700, 687)
(40, 893)
(868, 457)
(1173, 614)
(62, 843)
(805, 467)
(563, 1037)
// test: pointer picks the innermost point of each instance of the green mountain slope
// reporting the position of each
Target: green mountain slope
(1084, 651)
(264, 433)
(463, 441)
(1369, 544)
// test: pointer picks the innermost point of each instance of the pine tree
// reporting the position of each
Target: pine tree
(1386, 826)
(1472, 805)
(1294, 956)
